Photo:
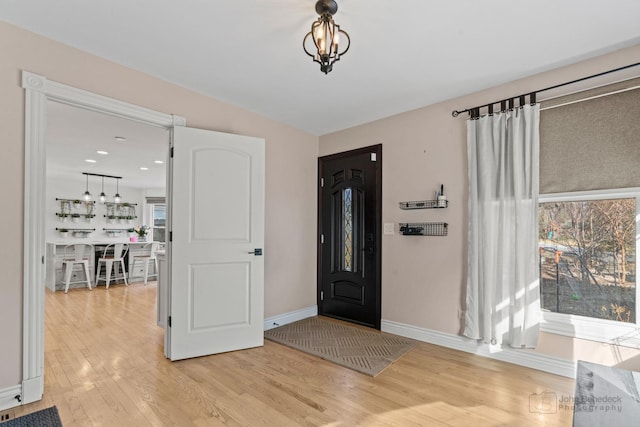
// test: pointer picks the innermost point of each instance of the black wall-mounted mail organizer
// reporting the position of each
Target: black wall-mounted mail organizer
(424, 228)
(424, 204)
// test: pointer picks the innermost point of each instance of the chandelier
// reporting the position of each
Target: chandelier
(326, 36)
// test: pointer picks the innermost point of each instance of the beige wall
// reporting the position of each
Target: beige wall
(291, 157)
(423, 278)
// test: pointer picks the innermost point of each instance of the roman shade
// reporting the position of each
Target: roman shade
(591, 140)
(155, 200)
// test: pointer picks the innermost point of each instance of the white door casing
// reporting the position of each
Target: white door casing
(38, 90)
(216, 300)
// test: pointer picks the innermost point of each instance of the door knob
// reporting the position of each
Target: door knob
(256, 252)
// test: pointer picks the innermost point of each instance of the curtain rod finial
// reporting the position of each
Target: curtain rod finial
(455, 113)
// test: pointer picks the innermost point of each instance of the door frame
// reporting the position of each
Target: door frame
(38, 90)
(377, 150)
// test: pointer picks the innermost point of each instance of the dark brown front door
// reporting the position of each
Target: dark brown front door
(349, 212)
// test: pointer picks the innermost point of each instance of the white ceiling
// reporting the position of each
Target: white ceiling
(404, 55)
(75, 135)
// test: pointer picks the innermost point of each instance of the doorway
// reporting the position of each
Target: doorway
(38, 91)
(194, 160)
(349, 235)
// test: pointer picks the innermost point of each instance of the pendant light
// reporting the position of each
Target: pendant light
(117, 197)
(86, 196)
(327, 37)
(103, 197)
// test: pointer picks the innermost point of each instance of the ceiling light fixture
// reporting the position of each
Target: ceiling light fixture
(86, 196)
(159, 162)
(117, 197)
(102, 152)
(90, 161)
(326, 35)
(120, 138)
(103, 197)
(143, 168)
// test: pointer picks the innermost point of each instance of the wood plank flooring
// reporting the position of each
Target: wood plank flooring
(104, 366)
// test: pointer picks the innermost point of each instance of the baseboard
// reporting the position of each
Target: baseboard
(293, 316)
(32, 389)
(8, 397)
(553, 365)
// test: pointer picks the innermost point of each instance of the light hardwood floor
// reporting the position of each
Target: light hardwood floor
(104, 366)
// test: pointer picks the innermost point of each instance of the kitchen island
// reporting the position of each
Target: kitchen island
(55, 253)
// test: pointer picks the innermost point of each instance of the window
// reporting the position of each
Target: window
(347, 229)
(588, 257)
(158, 222)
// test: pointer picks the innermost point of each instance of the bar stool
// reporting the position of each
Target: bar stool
(149, 254)
(113, 253)
(76, 254)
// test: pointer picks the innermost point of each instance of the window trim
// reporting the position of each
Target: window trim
(151, 218)
(590, 328)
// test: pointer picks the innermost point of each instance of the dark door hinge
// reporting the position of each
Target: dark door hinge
(171, 236)
(321, 295)
(169, 321)
(171, 152)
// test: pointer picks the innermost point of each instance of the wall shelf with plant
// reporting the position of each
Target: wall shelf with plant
(75, 209)
(76, 232)
(115, 232)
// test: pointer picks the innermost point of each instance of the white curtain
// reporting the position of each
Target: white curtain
(503, 298)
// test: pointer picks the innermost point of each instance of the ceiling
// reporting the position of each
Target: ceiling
(75, 135)
(404, 54)
(249, 53)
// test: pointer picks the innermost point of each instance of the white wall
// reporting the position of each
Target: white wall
(72, 188)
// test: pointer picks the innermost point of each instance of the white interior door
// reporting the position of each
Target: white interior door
(216, 220)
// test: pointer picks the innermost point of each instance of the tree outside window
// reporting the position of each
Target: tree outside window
(588, 258)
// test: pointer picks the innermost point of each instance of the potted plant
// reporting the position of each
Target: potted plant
(75, 217)
(89, 217)
(63, 217)
(63, 232)
(111, 219)
(141, 231)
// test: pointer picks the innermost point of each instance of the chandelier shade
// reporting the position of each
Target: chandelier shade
(117, 198)
(330, 42)
(102, 197)
(86, 196)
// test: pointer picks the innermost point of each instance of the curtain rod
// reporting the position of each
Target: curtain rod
(475, 111)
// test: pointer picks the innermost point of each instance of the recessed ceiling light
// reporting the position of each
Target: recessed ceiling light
(120, 138)
(104, 153)
(90, 161)
(144, 168)
(158, 162)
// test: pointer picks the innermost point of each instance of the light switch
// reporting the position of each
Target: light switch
(388, 228)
